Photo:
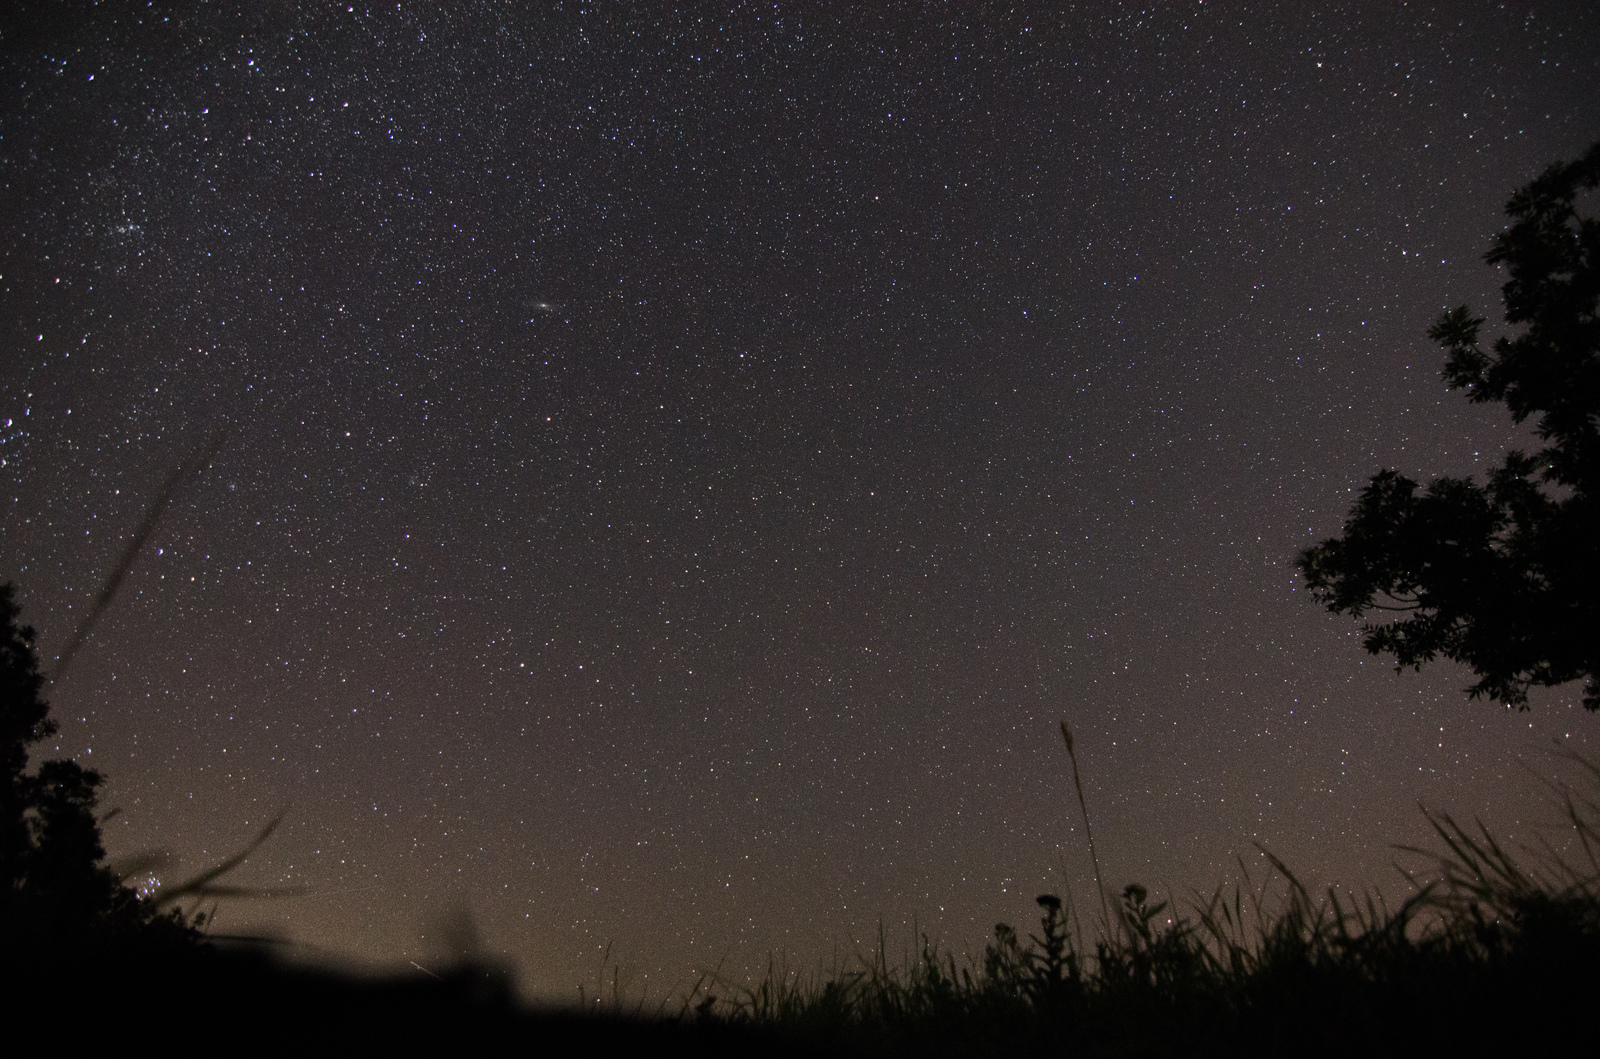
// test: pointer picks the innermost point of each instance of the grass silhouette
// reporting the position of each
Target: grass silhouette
(1493, 950)
(1489, 952)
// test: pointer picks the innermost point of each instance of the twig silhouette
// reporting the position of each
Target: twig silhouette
(204, 885)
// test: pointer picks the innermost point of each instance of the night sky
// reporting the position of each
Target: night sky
(680, 467)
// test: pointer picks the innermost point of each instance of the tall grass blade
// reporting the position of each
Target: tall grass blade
(1088, 830)
(197, 461)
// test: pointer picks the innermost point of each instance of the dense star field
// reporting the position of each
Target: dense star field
(680, 467)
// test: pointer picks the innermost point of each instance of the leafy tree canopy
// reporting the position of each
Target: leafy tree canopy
(55, 889)
(1504, 577)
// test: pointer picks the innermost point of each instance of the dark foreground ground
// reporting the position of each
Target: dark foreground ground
(231, 1003)
(227, 1003)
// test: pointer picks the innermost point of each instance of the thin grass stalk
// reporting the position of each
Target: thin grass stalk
(197, 461)
(1088, 829)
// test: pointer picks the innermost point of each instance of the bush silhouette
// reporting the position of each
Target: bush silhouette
(56, 892)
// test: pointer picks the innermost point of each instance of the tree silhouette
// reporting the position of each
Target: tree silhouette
(55, 889)
(1504, 577)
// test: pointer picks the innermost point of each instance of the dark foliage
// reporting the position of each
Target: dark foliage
(55, 889)
(1505, 576)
